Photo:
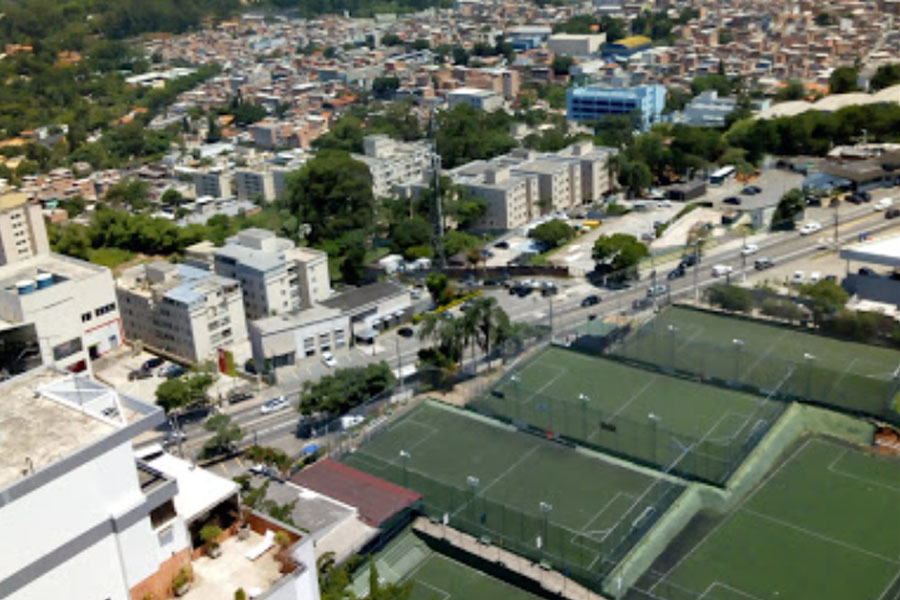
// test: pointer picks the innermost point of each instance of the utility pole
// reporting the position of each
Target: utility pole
(399, 362)
(744, 256)
(836, 221)
(438, 200)
(696, 271)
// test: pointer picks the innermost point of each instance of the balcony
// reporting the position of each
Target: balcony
(218, 578)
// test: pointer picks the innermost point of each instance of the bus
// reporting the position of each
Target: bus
(722, 175)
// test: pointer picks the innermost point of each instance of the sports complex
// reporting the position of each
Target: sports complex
(677, 465)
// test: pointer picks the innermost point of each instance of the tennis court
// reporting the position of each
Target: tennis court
(537, 498)
(846, 375)
(824, 525)
(703, 430)
(407, 559)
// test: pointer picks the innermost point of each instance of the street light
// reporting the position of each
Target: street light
(672, 331)
(655, 419)
(809, 358)
(583, 398)
(738, 346)
(405, 456)
(473, 482)
(545, 508)
(515, 379)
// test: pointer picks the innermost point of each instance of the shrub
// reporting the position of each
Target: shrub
(730, 298)
(782, 308)
(240, 594)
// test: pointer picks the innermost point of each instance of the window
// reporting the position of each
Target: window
(85, 317)
(67, 348)
(162, 514)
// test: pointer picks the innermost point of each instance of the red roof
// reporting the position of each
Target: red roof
(376, 500)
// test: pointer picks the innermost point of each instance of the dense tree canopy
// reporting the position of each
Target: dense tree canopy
(619, 254)
(465, 133)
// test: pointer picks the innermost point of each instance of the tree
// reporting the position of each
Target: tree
(676, 99)
(133, 193)
(743, 109)
(391, 591)
(353, 251)
(226, 435)
(714, 81)
(730, 298)
(409, 233)
(460, 56)
(391, 39)
(561, 64)
(214, 131)
(843, 80)
(791, 206)
(792, 90)
(619, 254)
(345, 389)
(384, 87)
(437, 284)
(346, 135)
(827, 296)
(465, 134)
(782, 308)
(183, 392)
(552, 233)
(885, 76)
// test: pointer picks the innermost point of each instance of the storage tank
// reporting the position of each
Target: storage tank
(25, 287)
(44, 280)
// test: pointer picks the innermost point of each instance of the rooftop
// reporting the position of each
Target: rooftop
(365, 295)
(198, 489)
(288, 321)
(885, 251)
(62, 267)
(215, 579)
(46, 415)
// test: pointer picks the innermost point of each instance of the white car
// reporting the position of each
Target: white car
(329, 360)
(814, 277)
(721, 270)
(273, 405)
(883, 204)
(811, 227)
(749, 249)
(798, 277)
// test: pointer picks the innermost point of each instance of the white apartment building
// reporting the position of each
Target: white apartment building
(276, 277)
(81, 517)
(22, 231)
(476, 98)
(576, 44)
(214, 182)
(509, 197)
(252, 184)
(71, 303)
(392, 162)
(181, 310)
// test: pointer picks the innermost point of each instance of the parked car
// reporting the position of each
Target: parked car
(798, 277)
(613, 283)
(139, 374)
(677, 272)
(854, 199)
(892, 213)
(503, 245)
(883, 204)
(751, 190)
(749, 249)
(406, 332)
(273, 405)
(171, 371)
(810, 228)
(329, 360)
(866, 196)
(590, 300)
(689, 260)
(152, 363)
(659, 289)
(173, 437)
(763, 263)
(732, 200)
(641, 303)
(239, 396)
(721, 270)
(867, 272)
(814, 277)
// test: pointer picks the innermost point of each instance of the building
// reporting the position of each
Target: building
(22, 231)
(70, 302)
(275, 276)
(372, 307)
(181, 310)
(214, 182)
(593, 102)
(511, 200)
(528, 37)
(86, 518)
(576, 44)
(708, 110)
(287, 339)
(628, 46)
(392, 162)
(255, 184)
(476, 98)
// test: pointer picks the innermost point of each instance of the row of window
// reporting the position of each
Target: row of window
(107, 308)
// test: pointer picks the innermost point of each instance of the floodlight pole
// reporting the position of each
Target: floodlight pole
(809, 358)
(405, 456)
(473, 482)
(672, 331)
(584, 402)
(655, 419)
(545, 508)
(515, 379)
(738, 346)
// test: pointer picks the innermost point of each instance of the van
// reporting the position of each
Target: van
(721, 270)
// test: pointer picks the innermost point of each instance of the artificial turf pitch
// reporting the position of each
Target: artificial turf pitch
(491, 480)
(824, 525)
(632, 412)
(846, 375)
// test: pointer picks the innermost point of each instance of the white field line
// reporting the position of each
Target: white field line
(837, 471)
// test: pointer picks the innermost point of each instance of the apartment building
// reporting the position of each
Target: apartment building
(476, 98)
(276, 277)
(180, 309)
(392, 162)
(511, 199)
(70, 302)
(253, 184)
(214, 182)
(81, 516)
(593, 102)
(22, 231)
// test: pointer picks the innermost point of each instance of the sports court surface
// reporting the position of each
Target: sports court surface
(824, 525)
(633, 412)
(843, 374)
(537, 498)
(433, 576)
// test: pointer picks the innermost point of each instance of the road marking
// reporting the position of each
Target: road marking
(837, 471)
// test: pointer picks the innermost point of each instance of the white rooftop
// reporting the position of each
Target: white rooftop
(198, 489)
(885, 251)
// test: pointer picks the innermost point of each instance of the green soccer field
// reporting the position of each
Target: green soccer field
(535, 497)
(635, 413)
(847, 375)
(825, 525)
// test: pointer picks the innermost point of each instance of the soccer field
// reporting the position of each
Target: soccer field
(537, 498)
(825, 525)
(846, 375)
(704, 430)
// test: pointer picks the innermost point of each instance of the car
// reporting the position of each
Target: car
(614, 283)
(239, 396)
(274, 405)
(406, 332)
(139, 374)
(659, 289)
(171, 371)
(688, 260)
(721, 270)
(415, 294)
(465, 306)
(763, 263)
(854, 199)
(866, 196)
(173, 437)
(892, 213)
(152, 363)
(732, 200)
(811, 227)
(503, 245)
(664, 204)
(641, 303)
(751, 190)
(590, 300)
(814, 277)
(259, 469)
(798, 277)
(749, 249)
(675, 273)
(867, 272)
(328, 359)
(831, 278)
(883, 204)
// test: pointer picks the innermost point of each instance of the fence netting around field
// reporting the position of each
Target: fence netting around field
(585, 556)
(857, 387)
